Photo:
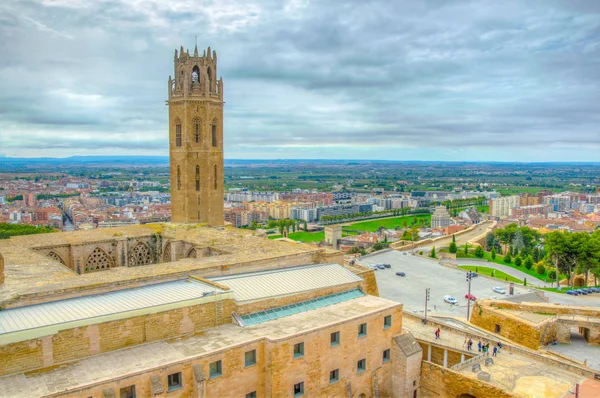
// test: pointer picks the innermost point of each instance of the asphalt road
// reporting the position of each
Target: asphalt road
(460, 239)
(422, 273)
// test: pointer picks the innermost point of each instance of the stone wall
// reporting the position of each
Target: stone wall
(70, 344)
(276, 370)
(437, 381)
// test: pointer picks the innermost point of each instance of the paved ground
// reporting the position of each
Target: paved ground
(422, 273)
(580, 350)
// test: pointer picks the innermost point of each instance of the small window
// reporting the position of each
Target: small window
(361, 366)
(197, 178)
(386, 355)
(334, 376)
(250, 358)
(414, 383)
(251, 394)
(335, 339)
(197, 131)
(415, 394)
(387, 322)
(215, 177)
(214, 134)
(178, 134)
(174, 381)
(497, 328)
(178, 178)
(215, 369)
(127, 392)
(362, 330)
(298, 350)
(299, 389)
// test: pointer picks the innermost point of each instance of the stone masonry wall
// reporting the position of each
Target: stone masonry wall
(437, 381)
(75, 343)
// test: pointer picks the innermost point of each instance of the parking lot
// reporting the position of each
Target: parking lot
(423, 273)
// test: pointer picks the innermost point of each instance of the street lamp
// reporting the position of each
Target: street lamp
(469, 277)
(426, 300)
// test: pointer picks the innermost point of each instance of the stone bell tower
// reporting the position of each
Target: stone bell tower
(196, 139)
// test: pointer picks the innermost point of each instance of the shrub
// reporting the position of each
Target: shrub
(507, 258)
(518, 261)
(528, 262)
(540, 269)
(479, 252)
(552, 274)
(493, 253)
(452, 248)
(432, 255)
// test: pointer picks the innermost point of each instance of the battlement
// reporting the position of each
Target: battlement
(195, 75)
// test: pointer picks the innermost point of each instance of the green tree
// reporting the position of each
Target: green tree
(453, 238)
(552, 274)
(479, 252)
(536, 254)
(305, 226)
(528, 263)
(466, 248)
(556, 247)
(518, 261)
(508, 258)
(378, 246)
(357, 250)
(493, 253)
(432, 255)
(452, 248)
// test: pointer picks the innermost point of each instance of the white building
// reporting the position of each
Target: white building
(501, 207)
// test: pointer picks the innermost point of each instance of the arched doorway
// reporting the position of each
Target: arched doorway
(579, 281)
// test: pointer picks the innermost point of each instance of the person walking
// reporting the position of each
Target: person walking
(437, 334)
(469, 344)
(495, 350)
(479, 346)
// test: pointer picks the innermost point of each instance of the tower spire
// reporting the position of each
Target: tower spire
(196, 47)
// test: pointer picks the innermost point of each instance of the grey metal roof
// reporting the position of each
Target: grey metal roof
(284, 281)
(80, 308)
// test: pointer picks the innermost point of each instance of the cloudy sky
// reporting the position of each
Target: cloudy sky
(403, 80)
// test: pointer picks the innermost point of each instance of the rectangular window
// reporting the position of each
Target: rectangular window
(178, 135)
(361, 366)
(214, 135)
(387, 322)
(250, 358)
(362, 330)
(251, 394)
(127, 392)
(386, 355)
(298, 350)
(335, 339)
(334, 376)
(174, 381)
(497, 328)
(215, 369)
(299, 389)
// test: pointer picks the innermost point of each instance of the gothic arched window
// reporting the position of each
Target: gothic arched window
(98, 260)
(209, 73)
(214, 133)
(140, 255)
(215, 177)
(197, 178)
(195, 74)
(178, 178)
(197, 130)
(177, 132)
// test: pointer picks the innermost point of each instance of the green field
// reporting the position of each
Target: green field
(388, 223)
(488, 271)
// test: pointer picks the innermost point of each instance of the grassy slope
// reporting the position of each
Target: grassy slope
(388, 223)
(488, 271)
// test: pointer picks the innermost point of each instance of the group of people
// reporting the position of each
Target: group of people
(481, 347)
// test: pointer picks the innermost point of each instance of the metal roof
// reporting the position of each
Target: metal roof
(284, 281)
(303, 306)
(87, 307)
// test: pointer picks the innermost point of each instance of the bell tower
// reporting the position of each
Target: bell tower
(196, 139)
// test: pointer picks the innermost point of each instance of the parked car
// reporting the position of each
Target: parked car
(473, 274)
(450, 300)
(400, 274)
(380, 266)
(581, 291)
(595, 289)
(404, 253)
(470, 297)
(372, 266)
(387, 265)
(498, 289)
(572, 292)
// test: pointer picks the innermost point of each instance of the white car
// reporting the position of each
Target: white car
(450, 300)
(499, 290)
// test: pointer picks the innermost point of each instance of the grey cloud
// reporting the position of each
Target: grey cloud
(380, 74)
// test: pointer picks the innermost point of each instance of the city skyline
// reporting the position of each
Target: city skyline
(466, 81)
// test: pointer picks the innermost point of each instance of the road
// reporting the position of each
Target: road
(423, 273)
